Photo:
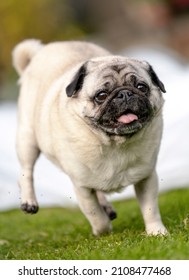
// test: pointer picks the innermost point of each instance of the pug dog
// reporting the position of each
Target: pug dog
(98, 117)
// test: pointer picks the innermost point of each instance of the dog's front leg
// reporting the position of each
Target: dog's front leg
(28, 153)
(147, 195)
(93, 211)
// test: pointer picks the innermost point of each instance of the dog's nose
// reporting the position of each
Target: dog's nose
(124, 95)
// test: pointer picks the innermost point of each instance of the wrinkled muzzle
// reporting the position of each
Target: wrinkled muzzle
(125, 111)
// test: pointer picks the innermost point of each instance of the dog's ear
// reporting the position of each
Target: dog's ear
(155, 78)
(77, 81)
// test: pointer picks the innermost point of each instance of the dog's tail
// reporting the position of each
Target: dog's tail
(23, 53)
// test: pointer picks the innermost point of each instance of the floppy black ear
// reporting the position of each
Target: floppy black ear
(155, 79)
(77, 82)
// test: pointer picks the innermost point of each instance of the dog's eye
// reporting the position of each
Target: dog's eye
(142, 87)
(101, 96)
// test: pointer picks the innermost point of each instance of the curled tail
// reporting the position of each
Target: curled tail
(23, 53)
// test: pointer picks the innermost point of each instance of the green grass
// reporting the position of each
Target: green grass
(65, 234)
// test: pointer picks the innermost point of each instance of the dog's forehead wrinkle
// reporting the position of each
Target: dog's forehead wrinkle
(118, 67)
(112, 81)
(112, 70)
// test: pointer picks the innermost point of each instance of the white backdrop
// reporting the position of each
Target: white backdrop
(53, 188)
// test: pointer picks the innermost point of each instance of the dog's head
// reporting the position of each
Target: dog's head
(116, 94)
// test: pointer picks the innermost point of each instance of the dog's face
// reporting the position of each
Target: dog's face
(116, 94)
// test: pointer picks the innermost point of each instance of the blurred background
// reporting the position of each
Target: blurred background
(115, 24)
(149, 29)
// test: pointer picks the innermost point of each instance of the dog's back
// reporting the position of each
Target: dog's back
(54, 58)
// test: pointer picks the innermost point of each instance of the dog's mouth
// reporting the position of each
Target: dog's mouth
(127, 118)
(125, 123)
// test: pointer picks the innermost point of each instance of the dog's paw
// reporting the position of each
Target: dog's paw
(156, 229)
(102, 227)
(30, 209)
(102, 231)
(112, 214)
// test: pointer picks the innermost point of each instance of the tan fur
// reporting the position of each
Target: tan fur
(51, 122)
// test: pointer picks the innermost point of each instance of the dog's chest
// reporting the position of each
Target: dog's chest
(115, 168)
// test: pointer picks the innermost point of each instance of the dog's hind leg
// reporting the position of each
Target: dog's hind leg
(28, 153)
(106, 205)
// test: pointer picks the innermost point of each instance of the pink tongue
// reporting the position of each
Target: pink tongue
(128, 118)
